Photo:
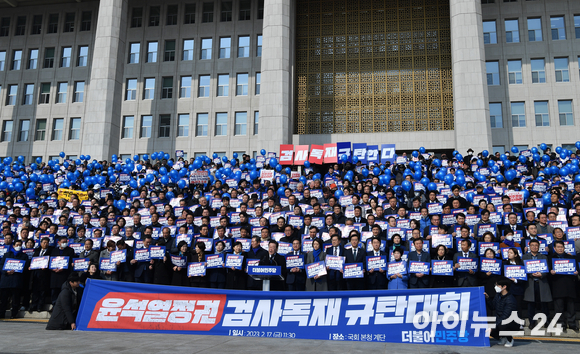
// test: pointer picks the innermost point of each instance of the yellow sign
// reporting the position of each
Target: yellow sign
(67, 193)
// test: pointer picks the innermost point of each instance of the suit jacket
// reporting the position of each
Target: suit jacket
(334, 275)
(92, 255)
(360, 257)
(361, 221)
(506, 228)
(296, 277)
(424, 257)
(320, 284)
(57, 279)
(377, 278)
(545, 293)
(277, 260)
(236, 278)
(251, 283)
(464, 278)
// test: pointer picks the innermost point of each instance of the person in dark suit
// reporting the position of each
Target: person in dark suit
(59, 276)
(513, 226)
(217, 276)
(65, 309)
(464, 279)
(376, 279)
(198, 256)
(143, 270)
(419, 280)
(40, 277)
(179, 274)
(292, 202)
(318, 282)
(563, 289)
(236, 278)
(12, 282)
(358, 217)
(273, 258)
(334, 278)
(355, 255)
(295, 277)
(256, 252)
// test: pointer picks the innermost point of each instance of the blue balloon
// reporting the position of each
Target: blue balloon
(425, 181)
(164, 180)
(415, 153)
(39, 160)
(283, 179)
(515, 149)
(273, 162)
(376, 171)
(235, 155)
(469, 197)
(422, 150)
(338, 193)
(480, 162)
(355, 159)
(534, 150)
(365, 172)
(543, 146)
(307, 164)
(263, 152)
(406, 185)
(558, 150)
(343, 158)
(281, 191)
(522, 159)
(278, 168)
(437, 162)
(432, 186)
(62, 154)
(510, 175)
(485, 153)
(182, 184)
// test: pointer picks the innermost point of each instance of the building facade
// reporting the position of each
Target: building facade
(134, 77)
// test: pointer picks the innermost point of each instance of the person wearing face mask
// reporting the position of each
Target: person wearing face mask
(508, 241)
(504, 304)
(59, 276)
(11, 282)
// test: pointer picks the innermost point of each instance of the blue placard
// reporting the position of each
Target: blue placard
(314, 269)
(295, 261)
(214, 261)
(396, 268)
(376, 262)
(196, 269)
(81, 264)
(388, 153)
(466, 264)
(16, 265)
(107, 265)
(490, 265)
(119, 256)
(353, 270)
(343, 149)
(446, 240)
(246, 243)
(59, 262)
(39, 262)
(536, 265)
(234, 261)
(157, 252)
(264, 270)
(442, 267)
(517, 272)
(563, 266)
(483, 246)
(179, 261)
(360, 150)
(416, 267)
(142, 255)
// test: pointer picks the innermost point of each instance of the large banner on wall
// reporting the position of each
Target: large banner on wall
(428, 316)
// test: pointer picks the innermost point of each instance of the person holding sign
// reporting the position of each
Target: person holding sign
(295, 277)
(11, 281)
(59, 276)
(564, 276)
(40, 277)
(319, 282)
(106, 253)
(354, 255)
(419, 280)
(198, 257)
(376, 276)
(398, 280)
(519, 286)
(487, 277)
(538, 289)
(441, 281)
(217, 276)
(179, 274)
(468, 278)
(236, 278)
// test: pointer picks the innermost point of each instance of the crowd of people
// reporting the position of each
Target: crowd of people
(149, 219)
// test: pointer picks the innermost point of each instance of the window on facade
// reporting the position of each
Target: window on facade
(131, 94)
(7, 126)
(146, 123)
(169, 54)
(16, 59)
(52, 23)
(154, 15)
(221, 124)
(12, 94)
(28, 94)
(20, 26)
(48, 58)
(187, 49)
(541, 114)
(44, 93)
(185, 89)
(225, 47)
(515, 71)
(189, 14)
(518, 110)
(260, 9)
(86, 18)
(495, 116)
(538, 71)
(83, 57)
(535, 29)
(259, 47)
(512, 32)
(171, 17)
(226, 11)
(79, 92)
(206, 48)
(40, 133)
(204, 85)
(57, 128)
(183, 125)
(152, 48)
(164, 126)
(201, 125)
(32, 59)
(565, 112)
(243, 46)
(66, 57)
(492, 68)
(245, 10)
(3, 59)
(577, 26)
(36, 25)
(69, 22)
(134, 49)
(223, 85)
(258, 79)
(557, 28)
(149, 89)
(24, 130)
(489, 32)
(75, 129)
(137, 17)
(167, 89)
(241, 123)
(5, 27)
(242, 85)
(207, 14)
(256, 121)
(128, 126)
(561, 66)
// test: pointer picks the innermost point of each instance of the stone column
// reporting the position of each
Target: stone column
(102, 118)
(276, 120)
(470, 95)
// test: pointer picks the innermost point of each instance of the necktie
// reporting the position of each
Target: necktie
(376, 253)
(354, 252)
(464, 254)
(514, 227)
(336, 251)
(42, 253)
(295, 253)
